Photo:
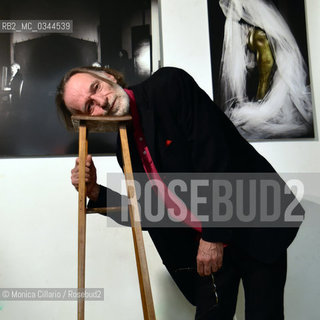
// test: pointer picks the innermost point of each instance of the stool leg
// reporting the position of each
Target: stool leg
(83, 150)
(142, 267)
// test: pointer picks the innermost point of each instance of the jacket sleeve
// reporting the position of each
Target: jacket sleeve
(110, 198)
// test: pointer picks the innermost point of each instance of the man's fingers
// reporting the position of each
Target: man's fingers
(88, 177)
(74, 179)
(200, 268)
(208, 264)
(88, 160)
(203, 264)
(207, 269)
(209, 258)
(75, 170)
(219, 258)
(90, 173)
(214, 268)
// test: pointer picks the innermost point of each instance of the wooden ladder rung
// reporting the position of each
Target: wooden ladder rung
(105, 210)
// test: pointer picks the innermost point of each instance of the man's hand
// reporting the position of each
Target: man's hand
(209, 258)
(91, 178)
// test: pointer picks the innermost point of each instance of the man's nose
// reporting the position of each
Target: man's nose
(99, 101)
(98, 111)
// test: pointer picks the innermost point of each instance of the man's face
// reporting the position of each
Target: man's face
(14, 69)
(86, 94)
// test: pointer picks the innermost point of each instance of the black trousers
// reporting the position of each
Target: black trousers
(263, 282)
(263, 286)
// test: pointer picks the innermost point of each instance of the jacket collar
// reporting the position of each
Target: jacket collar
(146, 115)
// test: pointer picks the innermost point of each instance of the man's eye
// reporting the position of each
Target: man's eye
(90, 107)
(96, 86)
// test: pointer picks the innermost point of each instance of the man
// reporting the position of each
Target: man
(15, 83)
(184, 131)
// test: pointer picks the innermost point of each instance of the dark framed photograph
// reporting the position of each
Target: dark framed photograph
(260, 67)
(39, 42)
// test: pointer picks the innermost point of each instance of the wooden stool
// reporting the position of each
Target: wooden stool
(86, 124)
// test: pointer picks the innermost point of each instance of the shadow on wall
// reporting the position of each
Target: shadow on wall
(302, 294)
(171, 304)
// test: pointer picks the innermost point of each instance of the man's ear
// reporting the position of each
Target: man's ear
(111, 77)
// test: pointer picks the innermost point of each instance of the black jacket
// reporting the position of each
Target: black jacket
(173, 107)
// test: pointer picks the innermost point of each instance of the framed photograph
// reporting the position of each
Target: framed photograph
(260, 67)
(40, 41)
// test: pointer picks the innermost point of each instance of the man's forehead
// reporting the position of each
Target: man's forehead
(79, 78)
(102, 75)
(78, 83)
(76, 89)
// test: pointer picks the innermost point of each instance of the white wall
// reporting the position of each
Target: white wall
(185, 39)
(38, 209)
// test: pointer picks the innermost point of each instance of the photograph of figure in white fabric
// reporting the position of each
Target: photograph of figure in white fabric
(263, 82)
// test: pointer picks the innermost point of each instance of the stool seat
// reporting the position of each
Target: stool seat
(101, 123)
